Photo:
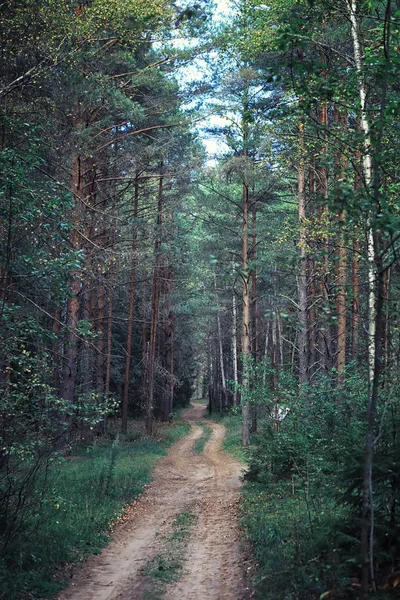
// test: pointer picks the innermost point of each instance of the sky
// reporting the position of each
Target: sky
(214, 145)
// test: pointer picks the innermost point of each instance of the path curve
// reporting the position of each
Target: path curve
(209, 485)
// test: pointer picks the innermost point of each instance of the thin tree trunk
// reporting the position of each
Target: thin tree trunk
(109, 341)
(367, 518)
(224, 398)
(387, 325)
(254, 306)
(132, 293)
(68, 385)
(154, 311)
(224, 404)
(246, 340)
(312, 317)
(100, 363)
(324, 337)
(144, 317)
(56, 348)
(355, 305)
(171, 346)
(367, 168)
(341, 306)
(234, 349)
(266, 354)
(341, 283)
(302, 277)
(280, 340)
(246, 350)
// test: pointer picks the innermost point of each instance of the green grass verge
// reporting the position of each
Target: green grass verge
(85, 496)
(166, 567)
(198, 446)
(232, 443)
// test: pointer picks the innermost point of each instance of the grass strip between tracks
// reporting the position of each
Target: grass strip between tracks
(167, 566)
(199, 444)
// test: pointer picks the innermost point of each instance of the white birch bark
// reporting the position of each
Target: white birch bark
(367, 167)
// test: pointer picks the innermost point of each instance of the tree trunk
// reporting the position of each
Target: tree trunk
(355, 305)
(355, 19)
(246, 350)
(155, 298)
(302, 277)
(109, 341)
(171, 353)
(324, 337)
(132, 292)
(234, 349)
(341, 282)
(341, 306)
(367, 515)
(254, 306)
(68, 386)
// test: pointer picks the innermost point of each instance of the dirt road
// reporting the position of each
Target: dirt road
(208, 485)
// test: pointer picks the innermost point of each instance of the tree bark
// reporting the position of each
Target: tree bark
(246, 350)
(302, 277)
(367, 518)
(355, 304)
(234, 349)
(155, 298)
(355, 20)
(131, 310)
(68, 385)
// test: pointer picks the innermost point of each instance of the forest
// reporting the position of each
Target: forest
(199, 203)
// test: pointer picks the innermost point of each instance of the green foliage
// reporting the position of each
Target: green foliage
(259, 392)
(82, 496)
(302, 503)
(294, 535)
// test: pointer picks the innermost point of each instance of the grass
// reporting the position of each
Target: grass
(232, 443)
(293, 541)
(85, 496)
(166, 567)
(199, 444)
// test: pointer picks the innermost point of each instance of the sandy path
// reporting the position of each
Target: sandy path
(208, 484)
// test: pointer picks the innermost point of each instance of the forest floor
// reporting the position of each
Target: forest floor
(180, 539)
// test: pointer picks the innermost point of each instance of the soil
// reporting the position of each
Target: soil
(215, 558)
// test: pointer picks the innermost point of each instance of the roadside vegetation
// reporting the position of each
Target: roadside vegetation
(82, 497)
(302, 493)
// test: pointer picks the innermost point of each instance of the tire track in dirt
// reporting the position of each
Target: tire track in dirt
(209, 484)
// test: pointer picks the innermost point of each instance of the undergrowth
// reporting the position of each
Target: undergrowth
(85, 496)
(301, 502)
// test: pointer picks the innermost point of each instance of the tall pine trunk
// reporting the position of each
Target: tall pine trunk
(155, 299)
(69, 374)
(302, 276)
(131, 310)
